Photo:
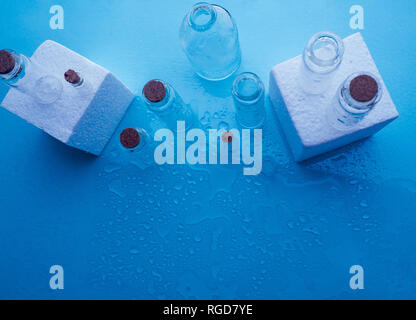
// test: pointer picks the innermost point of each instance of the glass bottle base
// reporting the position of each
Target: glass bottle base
(221, 78)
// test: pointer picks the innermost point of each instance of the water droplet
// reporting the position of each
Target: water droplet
(134, 251)
(116, 188)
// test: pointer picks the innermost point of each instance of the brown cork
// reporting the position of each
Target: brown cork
(130, 138)
(154, 91)
(7, 62)
(227, 137)
(72, 77)
(363, 88)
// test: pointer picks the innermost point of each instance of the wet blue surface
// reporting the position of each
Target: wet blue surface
(209, 232)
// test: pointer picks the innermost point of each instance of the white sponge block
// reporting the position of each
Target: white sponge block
(304, 117)
(84, 118)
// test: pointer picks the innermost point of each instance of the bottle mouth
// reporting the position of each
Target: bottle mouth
(202, 16)
(248, 87)
(325, 50)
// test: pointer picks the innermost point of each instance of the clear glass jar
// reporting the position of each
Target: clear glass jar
(356, 97)
(29, 77)
(209, 37)
(248, 95)
(164, 101)
(321, 59)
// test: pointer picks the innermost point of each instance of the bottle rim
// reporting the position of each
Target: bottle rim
(248, 98)
(202, 8)
(310, 52)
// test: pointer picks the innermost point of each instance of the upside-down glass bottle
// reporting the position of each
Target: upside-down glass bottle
(21, 73)
(209, 37)
(248, 94)
(164, 101)
(356, 98)
(321, 59)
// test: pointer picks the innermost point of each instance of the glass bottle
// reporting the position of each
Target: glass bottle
(248, 95)
(356, 97)
(21, 73)
(138, 141)
(77, 81)
(321, 59)
(164, 101)
(209, 37)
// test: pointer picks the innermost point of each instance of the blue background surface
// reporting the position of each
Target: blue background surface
(209, 232)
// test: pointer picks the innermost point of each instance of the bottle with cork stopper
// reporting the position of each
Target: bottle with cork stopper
(356, 98)
(137, 144)
(320, 61)
(164, 101)
(21, 73)
(77, 81)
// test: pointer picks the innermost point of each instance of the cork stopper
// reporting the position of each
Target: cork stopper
(363, 88)
(72, 77)
(130, 138)
(154, 91)
(227, 137)
(7, 62)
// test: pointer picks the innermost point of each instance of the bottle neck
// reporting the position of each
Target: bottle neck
(323, 53)
(248, 88)
(202, 16)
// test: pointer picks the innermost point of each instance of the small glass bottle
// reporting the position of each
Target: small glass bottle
(164, 101)
(248, 94)
(138, 141)
(356, 97)
(77, 81)
(21, 73)
(209, 37)
(321, 59)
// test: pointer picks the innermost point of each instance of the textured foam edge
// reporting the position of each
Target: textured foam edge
(79, 56)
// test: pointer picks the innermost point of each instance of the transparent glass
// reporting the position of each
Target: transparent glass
(209, 37)
(348, 111)
(248, 95)
(31, 79)
(321, 59)
(172, 108)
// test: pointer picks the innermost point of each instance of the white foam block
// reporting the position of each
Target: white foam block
(85, 121)
(303, 117)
